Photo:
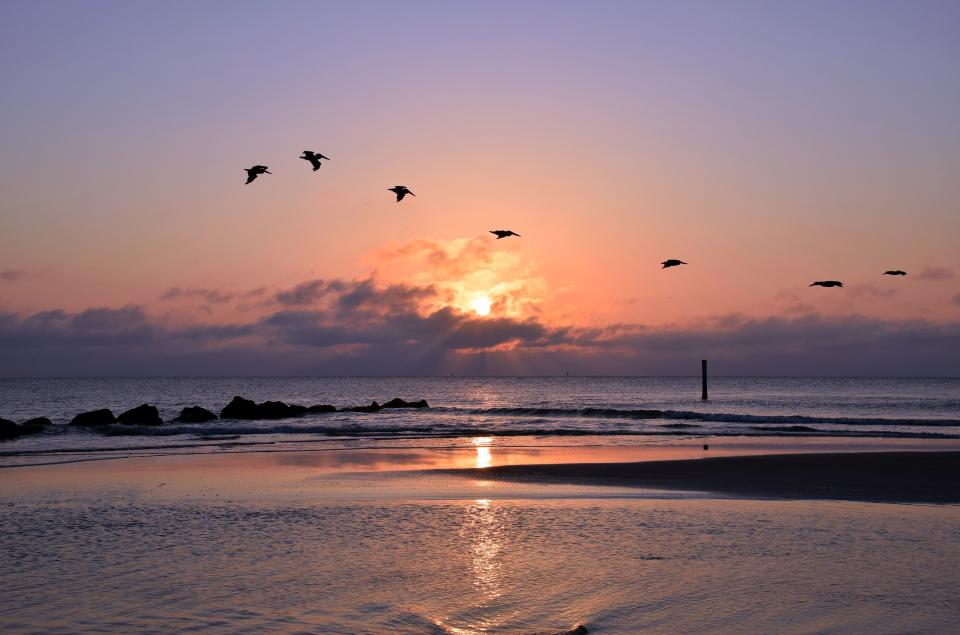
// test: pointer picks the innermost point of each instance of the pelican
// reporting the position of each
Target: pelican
(503, 233)
(400, 191)
(671, 263)
(313, 158)
(896, 272)
(827, 283)
(256, 171)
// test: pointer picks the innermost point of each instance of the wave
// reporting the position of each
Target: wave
(687, 415)
(229, 433)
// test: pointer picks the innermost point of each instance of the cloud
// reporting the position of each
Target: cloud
(956, 299)
(304, 293)
(12, 275)
(870, 290)
(367, 327)
(462, 270)
(211, 296)
(935, 273)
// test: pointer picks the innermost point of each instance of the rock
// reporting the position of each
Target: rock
(142, 415)
(35, 425)
(321, 408)
(274, 410)
(94, 418)
(296, 410)
(240, 408)
(400, 403)
(9, 429)
(373, 407)
(195, 414)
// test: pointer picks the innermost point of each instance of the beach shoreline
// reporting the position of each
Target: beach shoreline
(877, 470)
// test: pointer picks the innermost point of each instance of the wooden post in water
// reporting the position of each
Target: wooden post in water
(703, 378)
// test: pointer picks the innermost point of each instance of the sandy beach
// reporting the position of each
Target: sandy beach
(931, 477)
(422, 540)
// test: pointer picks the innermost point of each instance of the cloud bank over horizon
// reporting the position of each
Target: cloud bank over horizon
(371, 327)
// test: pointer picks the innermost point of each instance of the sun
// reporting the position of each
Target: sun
(481, 305)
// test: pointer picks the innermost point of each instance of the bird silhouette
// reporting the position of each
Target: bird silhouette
(400, 191)
(672, 263)
(503, 233)
(255, 171)
(313, 158)
(896, 272)
(827, 283)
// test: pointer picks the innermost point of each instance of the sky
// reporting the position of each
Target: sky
(767, 144)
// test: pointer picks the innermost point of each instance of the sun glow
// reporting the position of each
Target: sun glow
(481, 305)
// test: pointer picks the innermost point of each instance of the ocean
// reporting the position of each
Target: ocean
(608, 409)
(334, 523)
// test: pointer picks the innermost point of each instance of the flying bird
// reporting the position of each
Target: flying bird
(827, 283)
(503, 233)
(313, 158)
(400, 191)
(672, 263)
(256, 171)
(895, 273)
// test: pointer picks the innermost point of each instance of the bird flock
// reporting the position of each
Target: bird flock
(819, 283)
(314, 158)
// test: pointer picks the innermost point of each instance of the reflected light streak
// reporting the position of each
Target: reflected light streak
(484, 458)
(483, 535)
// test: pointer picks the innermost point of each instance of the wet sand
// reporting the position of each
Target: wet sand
(482, 539)
(865, 470)
(930, 477)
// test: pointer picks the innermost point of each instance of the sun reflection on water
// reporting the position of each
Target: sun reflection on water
(484, 458)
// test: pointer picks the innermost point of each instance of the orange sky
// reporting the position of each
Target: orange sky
(763, 147)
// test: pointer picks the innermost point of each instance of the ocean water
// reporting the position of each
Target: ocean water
(247, 527)
(610, 408)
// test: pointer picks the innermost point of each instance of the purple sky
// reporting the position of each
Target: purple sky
(767, 144)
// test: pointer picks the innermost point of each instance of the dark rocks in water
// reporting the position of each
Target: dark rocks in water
(9, 429)
(142, 415)
(296, 410)
(240, 408)
(393, 403)
(195, 414)
(275, 410)
(94, 418)
(373, 407)
(400, 403)
(37, 424)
